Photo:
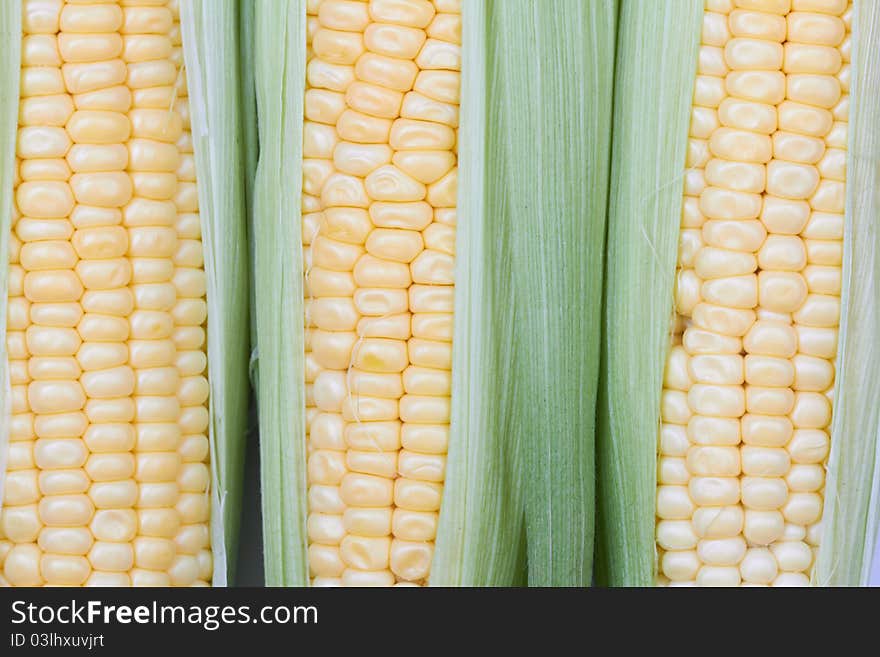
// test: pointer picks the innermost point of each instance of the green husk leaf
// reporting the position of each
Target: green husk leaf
(534, 154)
(250, 140)
(10, 72)
(552, 120)
(210, 42)
(656, 69)
(480, 529)
(279, 75)
(852, 485)
(558, 162)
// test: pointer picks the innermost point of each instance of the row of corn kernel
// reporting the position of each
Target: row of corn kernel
(674, 531)
(15, 516)
(310, 212)
(777, 290)
(324, 423)
(427, 381)
(774, 373)
(193, 564)
(816, 323)
(152, 240)
(97, 58)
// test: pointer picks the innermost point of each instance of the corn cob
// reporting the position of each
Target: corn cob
(379, 187)
(109, 471)
(387, 441)
(750, 379)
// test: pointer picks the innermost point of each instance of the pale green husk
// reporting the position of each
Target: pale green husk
(210, 41)
(529, 277)
(250, 139)
(654, 87)
(280, 38)
(10, 69)
(533, 157)
(479, 535)
(656, 68)
(558, 154)
(852, 485)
